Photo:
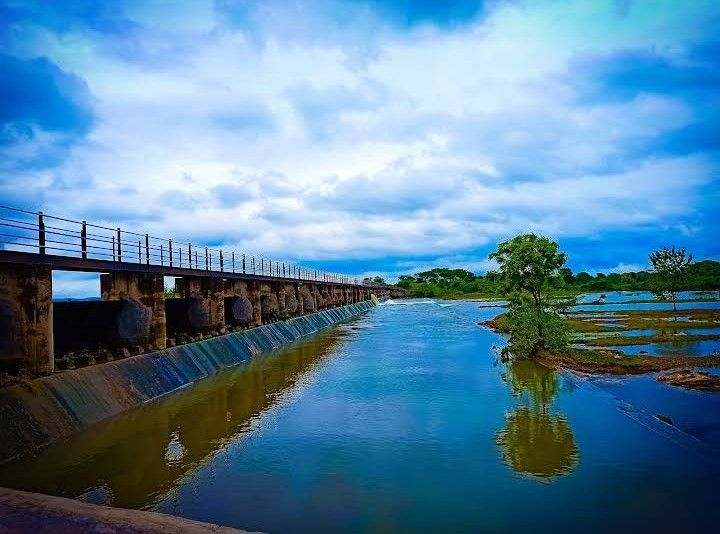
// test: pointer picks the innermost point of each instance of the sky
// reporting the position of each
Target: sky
(367, 136)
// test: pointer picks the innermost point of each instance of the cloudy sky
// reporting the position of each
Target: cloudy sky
(369, 136)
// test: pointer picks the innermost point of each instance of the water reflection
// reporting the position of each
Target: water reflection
(135, 460)
(535, 441)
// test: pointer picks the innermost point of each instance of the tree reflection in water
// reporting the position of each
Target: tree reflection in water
(536, 442)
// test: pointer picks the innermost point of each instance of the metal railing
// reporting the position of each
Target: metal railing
(29, 231)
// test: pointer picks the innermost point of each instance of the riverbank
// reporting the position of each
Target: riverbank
(38, 412)
(22, 512)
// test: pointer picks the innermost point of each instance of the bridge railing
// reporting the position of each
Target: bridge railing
(40, 233)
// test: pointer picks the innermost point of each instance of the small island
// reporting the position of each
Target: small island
(540, 326)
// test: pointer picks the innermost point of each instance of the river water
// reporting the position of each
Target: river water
(402, 420)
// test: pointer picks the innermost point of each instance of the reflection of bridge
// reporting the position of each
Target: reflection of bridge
(215, 290)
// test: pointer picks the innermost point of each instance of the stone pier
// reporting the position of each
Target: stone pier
(142, 319)
(207, 312)
(26, 318)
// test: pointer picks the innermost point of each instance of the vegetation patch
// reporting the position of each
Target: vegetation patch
(622, 341)
(598, 361)
(660, 320)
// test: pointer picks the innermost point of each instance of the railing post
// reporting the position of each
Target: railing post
(162, 259)
(206, 259)
(270, 268)
(196, 260)
(119, 245)
(83, 240)
(41, 232)
(113, 245)
(243, 263)
(170, 251)
(139, 251)
(147, 249)
(189, 255)
(222, 267)
(253, 264)
(233, 260)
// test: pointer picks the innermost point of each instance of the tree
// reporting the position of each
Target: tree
(376, 281)
(528, 262)
(405, 281)
(567, 275)
(669, 266)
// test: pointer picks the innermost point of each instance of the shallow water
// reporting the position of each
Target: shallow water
(675, 348)
(403, 421)
(707, 305)
(626, 296)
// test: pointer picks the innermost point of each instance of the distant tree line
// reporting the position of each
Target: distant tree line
(441, 282)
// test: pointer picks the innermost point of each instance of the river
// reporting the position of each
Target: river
(402, 420)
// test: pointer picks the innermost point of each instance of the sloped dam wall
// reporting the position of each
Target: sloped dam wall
(41, 411)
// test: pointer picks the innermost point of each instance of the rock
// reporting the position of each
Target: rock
(124, 353)
(664, 419)
(689, 379)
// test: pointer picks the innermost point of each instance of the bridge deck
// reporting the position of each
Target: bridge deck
(90, 265)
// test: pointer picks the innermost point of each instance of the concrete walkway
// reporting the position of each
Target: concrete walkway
(24, 512)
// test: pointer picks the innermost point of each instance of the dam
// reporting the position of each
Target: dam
(215, 292)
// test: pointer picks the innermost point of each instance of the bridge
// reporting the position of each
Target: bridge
(215, 291)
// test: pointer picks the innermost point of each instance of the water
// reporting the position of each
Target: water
(706, 305)
(614, 297)
(402, 420)
(675, 348)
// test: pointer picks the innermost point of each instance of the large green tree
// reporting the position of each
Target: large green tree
(529, 262)
(670, 267)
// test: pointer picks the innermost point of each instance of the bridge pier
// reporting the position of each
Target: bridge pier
(26, 310)
(280, 292)
(208, 311)
(144, 320)
(238, 306)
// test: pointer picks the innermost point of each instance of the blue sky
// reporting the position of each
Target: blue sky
(367, 136)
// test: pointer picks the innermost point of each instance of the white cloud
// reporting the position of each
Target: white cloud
(412, 144)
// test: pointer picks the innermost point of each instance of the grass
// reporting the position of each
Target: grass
(610, 362)
(644, 320)
(622, 341)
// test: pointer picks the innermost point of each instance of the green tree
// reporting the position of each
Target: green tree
(532, 330)
(669, 266)
(528, 262)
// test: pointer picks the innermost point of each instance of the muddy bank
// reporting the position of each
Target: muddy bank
(614, 363)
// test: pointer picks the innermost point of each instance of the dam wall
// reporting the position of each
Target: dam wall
(36, 413)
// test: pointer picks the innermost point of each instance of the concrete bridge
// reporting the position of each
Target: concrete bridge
(216, 291)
